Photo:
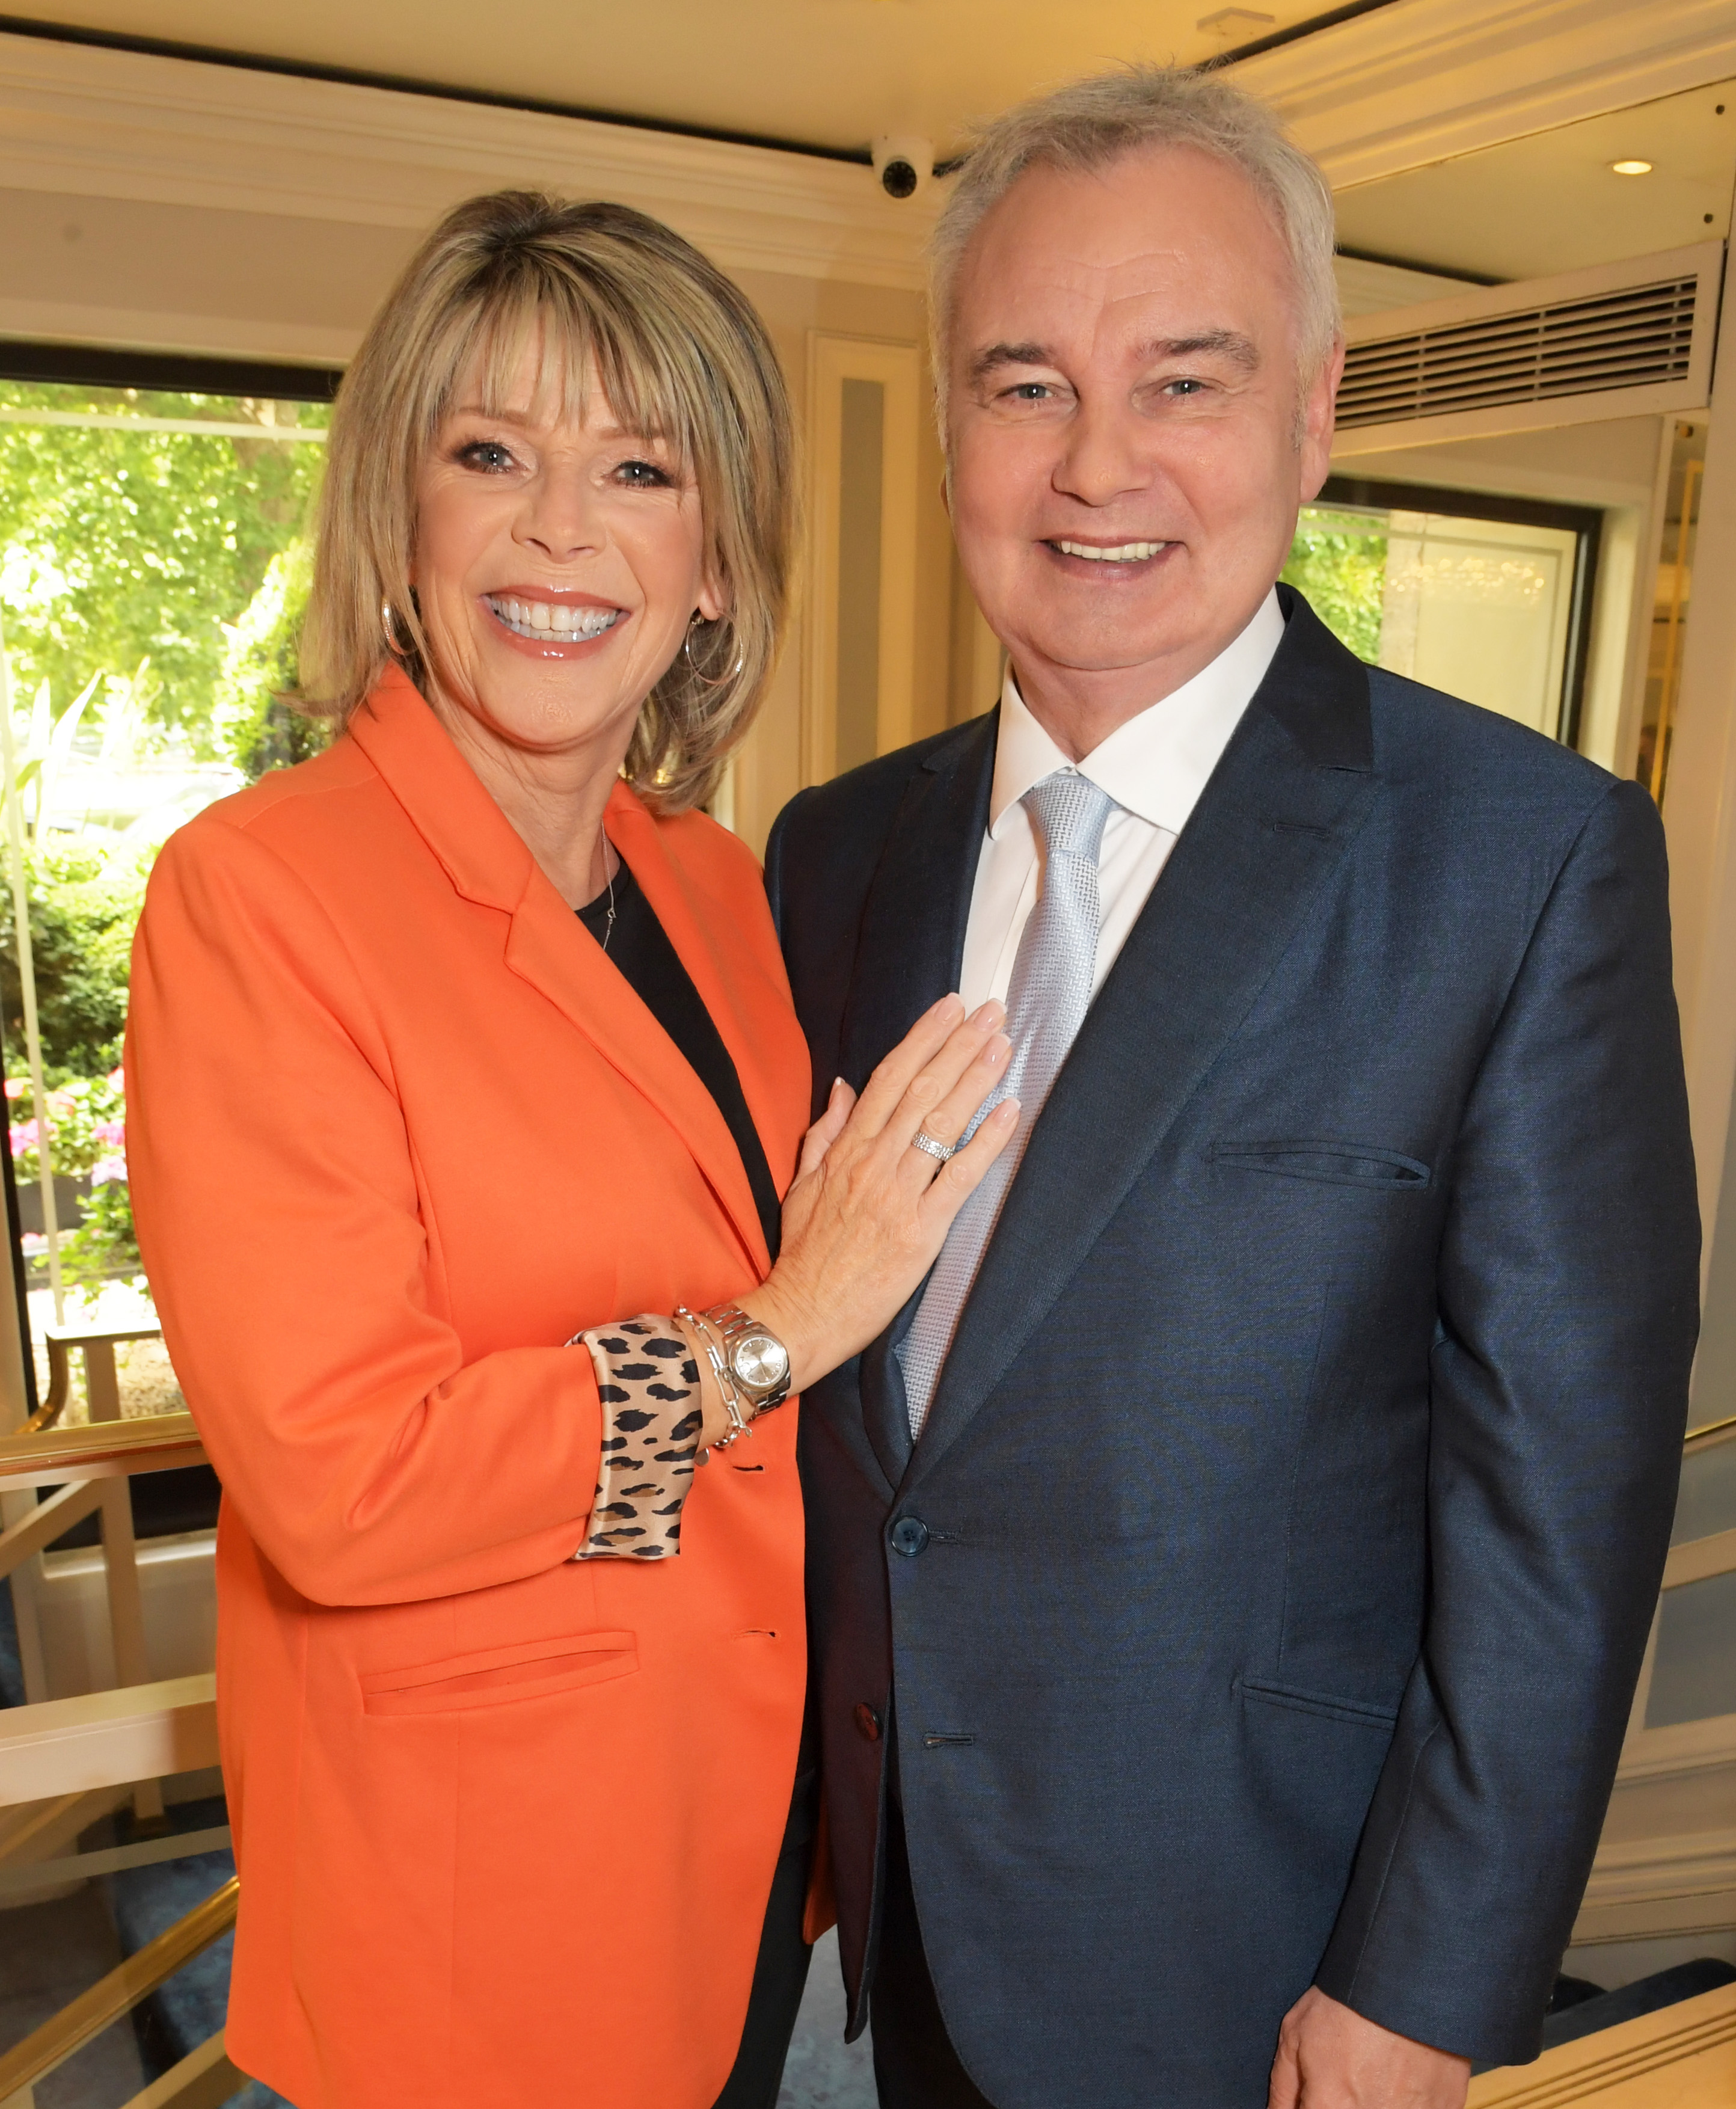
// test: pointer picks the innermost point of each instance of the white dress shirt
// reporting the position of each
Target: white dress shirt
(1154, 767)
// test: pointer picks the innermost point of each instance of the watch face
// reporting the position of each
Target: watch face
(761, 1362)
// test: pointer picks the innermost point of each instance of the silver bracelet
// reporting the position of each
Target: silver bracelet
(739, 1424)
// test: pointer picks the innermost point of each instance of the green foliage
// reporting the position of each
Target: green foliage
(88, 1133)
(87, 1119)
(153, 585)
(1338, 560)
(251, 721)
(105, 1242)
(82, 909)
(123, 546)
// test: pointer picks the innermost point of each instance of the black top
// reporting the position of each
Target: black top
(639, 946)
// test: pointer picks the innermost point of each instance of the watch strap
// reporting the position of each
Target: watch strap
(733, 1325)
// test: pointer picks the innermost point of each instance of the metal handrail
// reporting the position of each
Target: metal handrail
(1696, 1437)
(51, 2044)
(102, 1450)
(203, 2079)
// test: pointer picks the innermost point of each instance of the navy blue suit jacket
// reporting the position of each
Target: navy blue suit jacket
(1297, 1489)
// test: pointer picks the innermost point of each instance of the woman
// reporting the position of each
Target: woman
(449, 1194)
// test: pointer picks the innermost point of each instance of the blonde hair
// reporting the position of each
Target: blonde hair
(1091, 122)
(680, 355)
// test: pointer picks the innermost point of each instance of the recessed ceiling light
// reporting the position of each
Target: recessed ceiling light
(1632, 168)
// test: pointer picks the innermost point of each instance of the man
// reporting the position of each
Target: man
(1229, 1577)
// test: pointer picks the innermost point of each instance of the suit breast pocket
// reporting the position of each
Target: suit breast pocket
(499, 1676)
(1338, 1163)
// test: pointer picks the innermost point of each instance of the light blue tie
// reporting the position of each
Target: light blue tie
(1047, 1000)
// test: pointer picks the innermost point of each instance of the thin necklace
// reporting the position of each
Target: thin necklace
(608, 927)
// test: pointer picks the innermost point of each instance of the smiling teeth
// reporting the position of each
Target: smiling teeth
(1126, 553)
(549, 618)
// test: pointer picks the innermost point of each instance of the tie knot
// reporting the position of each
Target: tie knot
(1069, 811)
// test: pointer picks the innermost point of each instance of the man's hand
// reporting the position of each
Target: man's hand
(1330, 2058)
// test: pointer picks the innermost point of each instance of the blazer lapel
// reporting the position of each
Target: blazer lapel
(743, 986)
(907, 957)
(548, 948)
(1279, 814)
(489, 862)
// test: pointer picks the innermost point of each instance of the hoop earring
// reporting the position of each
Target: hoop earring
(706, 680)
(389, 623)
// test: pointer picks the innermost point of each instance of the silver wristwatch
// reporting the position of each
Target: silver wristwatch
(757, 1361)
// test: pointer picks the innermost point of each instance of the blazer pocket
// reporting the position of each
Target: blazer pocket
(1323, 1703)
(498, 1677)
(1339, 1163)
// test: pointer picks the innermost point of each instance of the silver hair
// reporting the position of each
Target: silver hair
(1091, 122)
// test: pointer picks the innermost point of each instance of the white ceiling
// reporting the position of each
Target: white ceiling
(832, 73)
(1552, 202)
(836, 73)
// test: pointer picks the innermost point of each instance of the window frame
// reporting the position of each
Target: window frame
(48, 362)
(96, 366)
(1585, 523)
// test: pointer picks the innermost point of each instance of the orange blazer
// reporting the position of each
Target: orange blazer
(506, 1825)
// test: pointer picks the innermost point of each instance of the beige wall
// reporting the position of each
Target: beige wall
(768, 772)
(249, 283)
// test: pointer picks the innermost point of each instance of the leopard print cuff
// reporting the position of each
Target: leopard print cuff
(649, 1384)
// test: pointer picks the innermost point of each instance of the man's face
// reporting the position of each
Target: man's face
(1124, 383)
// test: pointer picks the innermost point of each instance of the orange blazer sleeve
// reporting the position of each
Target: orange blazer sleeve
(278, 1209)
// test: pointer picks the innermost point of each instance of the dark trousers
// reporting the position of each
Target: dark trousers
(915, 2065)
(780, 1977)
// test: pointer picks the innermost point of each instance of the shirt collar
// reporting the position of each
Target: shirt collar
(1156, 765)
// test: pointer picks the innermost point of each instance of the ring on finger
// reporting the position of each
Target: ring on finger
(939, 1151)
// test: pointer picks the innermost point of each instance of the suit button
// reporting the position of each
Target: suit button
(909, 1536)
(868, 1723)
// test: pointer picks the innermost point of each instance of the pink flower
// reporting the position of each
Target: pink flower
(114, 1133)
(109, 1171)
(116, 1080)
(23, 1137)
(17, 1086)
(62, 1103)
(32, 1244)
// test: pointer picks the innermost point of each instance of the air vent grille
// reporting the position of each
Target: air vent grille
(1631, 338)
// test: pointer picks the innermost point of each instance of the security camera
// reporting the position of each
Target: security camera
(903, 165)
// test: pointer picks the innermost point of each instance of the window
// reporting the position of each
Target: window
(154, 560)
(1487, 598)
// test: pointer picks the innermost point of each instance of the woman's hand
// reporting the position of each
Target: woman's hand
(868, 1213)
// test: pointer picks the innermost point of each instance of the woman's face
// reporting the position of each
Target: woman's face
(558, 564)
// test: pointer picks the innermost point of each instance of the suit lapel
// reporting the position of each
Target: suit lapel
(1293, 788)
(912, 943)
(908, 956)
